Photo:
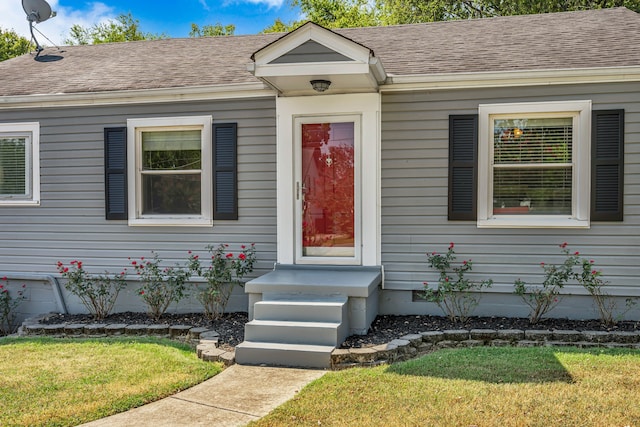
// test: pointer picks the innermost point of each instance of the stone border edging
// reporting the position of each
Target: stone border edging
(415, 345)
(206, 341)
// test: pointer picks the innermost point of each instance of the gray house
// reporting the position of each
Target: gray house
(345, 155)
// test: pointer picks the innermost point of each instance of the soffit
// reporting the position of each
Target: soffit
(312, 52)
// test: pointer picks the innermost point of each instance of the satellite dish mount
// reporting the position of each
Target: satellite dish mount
(37, 11)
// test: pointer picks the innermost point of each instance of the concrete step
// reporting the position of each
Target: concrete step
(280, 354)
(297, 310)
(312, 333)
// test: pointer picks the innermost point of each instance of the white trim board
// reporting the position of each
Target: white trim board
(288, 109)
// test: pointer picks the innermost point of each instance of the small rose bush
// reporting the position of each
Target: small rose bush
(161, 286)
(8, 306)
(576, 269)
(97, 292)
(455, 294)
(222, 274)
(542, 299)
(590, 278)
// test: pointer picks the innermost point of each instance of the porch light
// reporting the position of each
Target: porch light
(320, 85)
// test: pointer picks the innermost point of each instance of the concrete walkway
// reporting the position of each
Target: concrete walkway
(234, 397)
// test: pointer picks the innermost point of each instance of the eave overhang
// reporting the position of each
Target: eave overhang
(356, 69)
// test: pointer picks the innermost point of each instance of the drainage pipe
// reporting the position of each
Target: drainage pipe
(42, 277)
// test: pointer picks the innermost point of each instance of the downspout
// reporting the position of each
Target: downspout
(53, 281)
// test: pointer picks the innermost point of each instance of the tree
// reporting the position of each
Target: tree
(124, 28)
(11, 44)
(215, 30)
(361, 13)
(280, 27)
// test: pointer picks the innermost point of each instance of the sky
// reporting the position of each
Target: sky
(171, 17)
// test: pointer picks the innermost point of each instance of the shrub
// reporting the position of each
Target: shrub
(607, 307)
(543, 299)
(224, 272)
(160, 285)
(98, 293)
(8, 306)
(456, 295)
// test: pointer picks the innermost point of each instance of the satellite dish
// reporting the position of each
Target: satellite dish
(37, 11)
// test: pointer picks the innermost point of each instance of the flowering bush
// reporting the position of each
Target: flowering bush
(160, 285)
(544, 299)
(454, 292)
(607, 307)
(98, 293)
(8, 306)
(224, 272)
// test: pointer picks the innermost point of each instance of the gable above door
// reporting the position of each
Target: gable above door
(312, 52)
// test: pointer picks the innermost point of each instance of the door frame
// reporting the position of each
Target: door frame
(288, 110)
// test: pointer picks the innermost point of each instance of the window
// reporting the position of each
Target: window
(533, 163)
(170, 159)
(19, 164)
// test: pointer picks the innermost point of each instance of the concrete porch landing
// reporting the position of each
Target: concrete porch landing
(299, 314)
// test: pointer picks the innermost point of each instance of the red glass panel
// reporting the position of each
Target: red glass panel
(328, 189)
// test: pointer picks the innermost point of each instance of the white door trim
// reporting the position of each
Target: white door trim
(288, 109)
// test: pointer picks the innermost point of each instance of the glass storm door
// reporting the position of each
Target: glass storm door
(326, 192)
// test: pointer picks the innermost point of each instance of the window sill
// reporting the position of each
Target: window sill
(522, 221)
(171, 222)
(19, 203)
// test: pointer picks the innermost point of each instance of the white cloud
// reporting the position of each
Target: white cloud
(270, 3)
(56, 29)
(204, 4)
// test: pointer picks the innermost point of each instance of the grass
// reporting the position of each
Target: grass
(482, 386)
(65, 382)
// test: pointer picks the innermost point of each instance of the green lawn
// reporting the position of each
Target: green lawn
(65, 382)
(483, 386)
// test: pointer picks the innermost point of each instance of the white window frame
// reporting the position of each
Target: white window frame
(30, 131)
(135, 127)
(580, 112)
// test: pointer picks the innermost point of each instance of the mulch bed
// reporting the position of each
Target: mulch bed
(383, 329)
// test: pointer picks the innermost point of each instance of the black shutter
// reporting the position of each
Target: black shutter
(225, 171)
(607, 165)
(463, 166)
(115, 173)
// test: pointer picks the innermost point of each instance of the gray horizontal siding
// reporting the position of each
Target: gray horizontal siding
(414, 193)
(310, 51)
(70, 222)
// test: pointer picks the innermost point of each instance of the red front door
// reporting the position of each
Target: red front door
(328, 189)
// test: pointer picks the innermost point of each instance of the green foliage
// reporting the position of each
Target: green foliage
(361, 13)
(124, 28)
(455, 294)
(12, 45)
(280, 27)
(8, 306)
(542, 299)
(160, 285)
(338, 13)
(224, 272)
(215, 30)
(98, 293)
(607, 306)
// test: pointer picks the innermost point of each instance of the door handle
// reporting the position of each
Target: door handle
(300, 190)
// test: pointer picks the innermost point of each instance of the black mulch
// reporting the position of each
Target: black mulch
(384, 328)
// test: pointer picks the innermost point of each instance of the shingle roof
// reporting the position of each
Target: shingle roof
(597, 38)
